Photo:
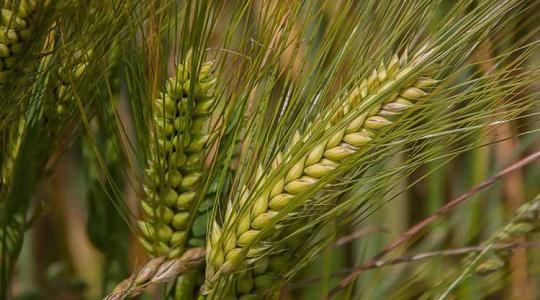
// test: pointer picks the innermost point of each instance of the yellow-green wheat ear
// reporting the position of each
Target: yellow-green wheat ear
(243, 228)
(15, 30)
(175, 166)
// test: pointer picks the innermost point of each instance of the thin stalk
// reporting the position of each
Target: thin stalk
(435, 216)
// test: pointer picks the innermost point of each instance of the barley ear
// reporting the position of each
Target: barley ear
(342, 142)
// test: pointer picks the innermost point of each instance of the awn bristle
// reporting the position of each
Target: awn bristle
(176, 163)
(225, 252)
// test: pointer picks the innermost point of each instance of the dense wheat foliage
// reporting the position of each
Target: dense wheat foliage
(210, 149)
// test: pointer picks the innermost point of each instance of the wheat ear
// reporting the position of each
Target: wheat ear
(175, 165)
(156, 271)
(15, 30)
(240, 231)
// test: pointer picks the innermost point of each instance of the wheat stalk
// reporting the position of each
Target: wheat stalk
(156, 271)
(175, 165)
(424, 223)
(243, 227)
(15, 30)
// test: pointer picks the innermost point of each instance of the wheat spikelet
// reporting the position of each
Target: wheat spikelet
(15, 30)
(227, 245)
(175, 166)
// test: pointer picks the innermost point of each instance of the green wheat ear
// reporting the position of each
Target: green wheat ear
(15, 30)
(242, 230)
(175, 166)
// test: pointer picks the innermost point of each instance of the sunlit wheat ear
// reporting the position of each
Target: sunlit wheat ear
(241, 230)
(175, 165)
(15, 30)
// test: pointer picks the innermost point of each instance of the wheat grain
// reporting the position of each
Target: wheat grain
(15, 28)
(175, 166)
(227, 245)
